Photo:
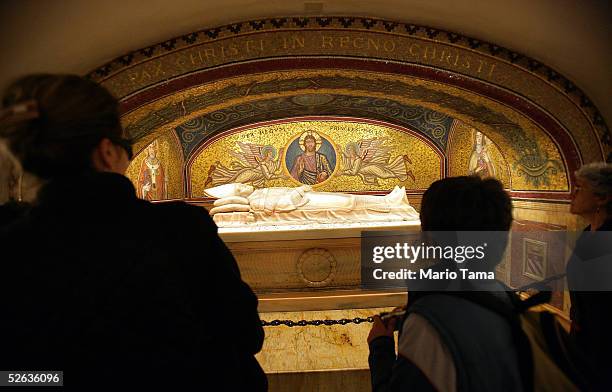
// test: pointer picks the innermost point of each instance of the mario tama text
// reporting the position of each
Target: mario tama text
(430, 274)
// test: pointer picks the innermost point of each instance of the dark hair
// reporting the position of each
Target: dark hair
(466, 204)
(72, 115)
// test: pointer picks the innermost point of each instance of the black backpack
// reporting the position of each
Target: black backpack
(548, 358)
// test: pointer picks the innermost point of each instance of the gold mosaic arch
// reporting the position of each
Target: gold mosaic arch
(405, 158)
(545, 143)
(172, 167)
(460, 158)
(480, 84)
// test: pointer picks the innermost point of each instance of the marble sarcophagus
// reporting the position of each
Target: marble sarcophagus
(300, 251)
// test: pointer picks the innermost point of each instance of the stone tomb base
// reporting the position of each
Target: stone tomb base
(304, 259)
(305, 273)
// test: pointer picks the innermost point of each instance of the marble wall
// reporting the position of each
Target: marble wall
(315, 348)
(317, 358)
(531, 219)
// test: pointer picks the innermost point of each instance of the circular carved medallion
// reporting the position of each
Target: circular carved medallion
(316, 267)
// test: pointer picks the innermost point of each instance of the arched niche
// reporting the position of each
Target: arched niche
(219, 79)
(363, 156)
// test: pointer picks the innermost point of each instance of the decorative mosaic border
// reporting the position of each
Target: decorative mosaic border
(564, 140)
(553, 77)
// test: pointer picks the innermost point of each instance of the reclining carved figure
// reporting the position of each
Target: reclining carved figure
(240, 204)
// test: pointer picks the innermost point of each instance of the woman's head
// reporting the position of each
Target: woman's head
(593, 190)
(59, 125)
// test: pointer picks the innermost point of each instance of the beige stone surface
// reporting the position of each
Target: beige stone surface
(334, 299)
(316, 348)
(553, 213)
(330, 260)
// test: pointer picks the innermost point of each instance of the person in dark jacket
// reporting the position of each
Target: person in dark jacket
(110, 289)
(449, 343)
(589, 270)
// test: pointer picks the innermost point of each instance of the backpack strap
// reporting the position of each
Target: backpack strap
(509, 312)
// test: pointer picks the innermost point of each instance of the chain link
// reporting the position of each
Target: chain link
(303, 323)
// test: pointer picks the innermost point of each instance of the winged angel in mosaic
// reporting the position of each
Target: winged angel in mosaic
(255, 165)
(370, 160)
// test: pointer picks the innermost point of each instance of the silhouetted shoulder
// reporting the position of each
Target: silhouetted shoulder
(181, 213)
(12, 211)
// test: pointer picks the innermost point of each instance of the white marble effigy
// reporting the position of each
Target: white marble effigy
(240, 205)
(311, 230)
